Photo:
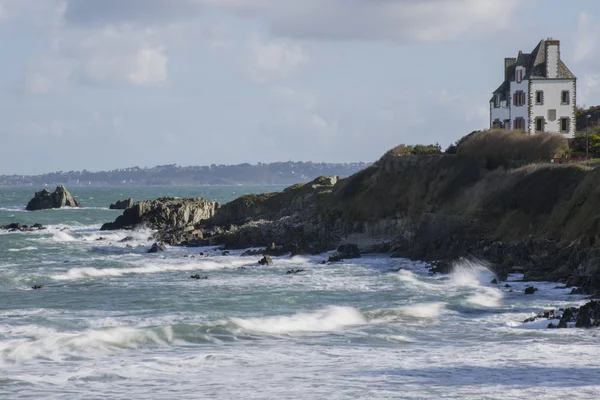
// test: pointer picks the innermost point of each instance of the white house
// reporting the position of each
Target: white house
(538, 93)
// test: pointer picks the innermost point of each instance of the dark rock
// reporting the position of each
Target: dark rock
(156, 247)
(294, 271)
(335, 257)
(266, 260)
(100, 239)
(127, 239)
(45, 199)
(122, 204)
(251, 252)
(36, 287)
(507, 285)
(16, 227)
(225, 253)
(174, 218)
(494, 281)
(530, 290)
(196, 276)
(349, 251)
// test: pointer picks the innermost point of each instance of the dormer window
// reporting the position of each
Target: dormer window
(519, 75)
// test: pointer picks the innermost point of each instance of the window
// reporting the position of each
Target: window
(519, 124)
(496, 101)
(564, 97)
(539, 97)
(519, 75)
(539, 124)
(507, 124)
(565, 125)
(519, 98)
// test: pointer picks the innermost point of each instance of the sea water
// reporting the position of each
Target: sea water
(113, 321)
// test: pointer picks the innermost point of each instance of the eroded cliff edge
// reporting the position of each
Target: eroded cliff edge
(541, 219)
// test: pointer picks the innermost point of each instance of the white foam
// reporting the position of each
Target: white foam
(486, 297)
(61, 236)
(28, 248)
(150, 268)
(48, 343)
(328, 319)
(423, 310)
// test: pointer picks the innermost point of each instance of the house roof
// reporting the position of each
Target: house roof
(503, 88)
(535, 66)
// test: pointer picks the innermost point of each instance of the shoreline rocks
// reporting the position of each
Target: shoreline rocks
(16, 227)
(44, 199)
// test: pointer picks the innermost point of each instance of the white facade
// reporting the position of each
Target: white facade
(538, 93)
(553, 108)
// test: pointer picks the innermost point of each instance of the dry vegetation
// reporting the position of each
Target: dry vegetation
(501, 146)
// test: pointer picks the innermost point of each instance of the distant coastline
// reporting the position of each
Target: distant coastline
(279, 173)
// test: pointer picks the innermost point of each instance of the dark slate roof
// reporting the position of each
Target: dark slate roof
(536, 69)
(503, 88)
(535, 66)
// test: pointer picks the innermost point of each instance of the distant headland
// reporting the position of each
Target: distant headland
(277, 173)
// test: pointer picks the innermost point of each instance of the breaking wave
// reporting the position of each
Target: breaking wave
(328, 319)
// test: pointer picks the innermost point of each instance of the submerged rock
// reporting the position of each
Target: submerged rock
(36, 287)
(196, 276)
(122, 204)
(45, 199)
(156, 247)
(530, 290)
(266, 260)
(294, 271)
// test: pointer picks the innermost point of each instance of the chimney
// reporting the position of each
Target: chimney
(552, 58)
(508, 62)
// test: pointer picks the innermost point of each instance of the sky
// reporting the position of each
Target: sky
(104, 84)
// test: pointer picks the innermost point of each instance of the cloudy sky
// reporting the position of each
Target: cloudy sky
(102, 84)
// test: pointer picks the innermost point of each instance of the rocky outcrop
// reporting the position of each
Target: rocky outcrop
(586, 316)
(122, 204)
(266, 260)
(157, 247)
(345, 251)
(44, 199)
(166, 214)
(16, 227)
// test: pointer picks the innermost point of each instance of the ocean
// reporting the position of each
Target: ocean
(114, 322)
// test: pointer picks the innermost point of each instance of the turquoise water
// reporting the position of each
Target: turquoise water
(116, 322)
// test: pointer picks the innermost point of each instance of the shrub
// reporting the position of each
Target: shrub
(416, 150)
(578, 144)
(500, 147)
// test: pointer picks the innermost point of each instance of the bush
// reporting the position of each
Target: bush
(578, 144)
(500, 146)
(416, 150)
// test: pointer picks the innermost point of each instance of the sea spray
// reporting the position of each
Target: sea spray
(328, 319)
(476, 275)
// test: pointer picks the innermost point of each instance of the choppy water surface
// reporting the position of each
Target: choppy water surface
(115, 322)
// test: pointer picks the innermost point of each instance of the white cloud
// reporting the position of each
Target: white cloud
(267, 61)
(399, 20)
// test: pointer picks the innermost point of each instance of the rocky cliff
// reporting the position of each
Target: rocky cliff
(164, 214)
(540, 219)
